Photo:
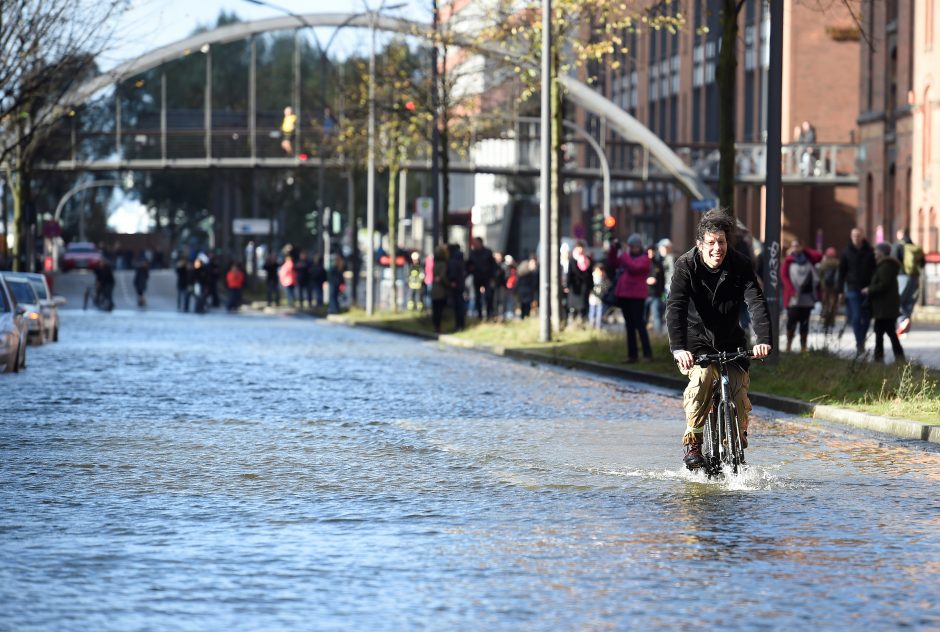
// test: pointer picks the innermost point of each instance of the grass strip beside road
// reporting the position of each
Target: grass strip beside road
(904, 391)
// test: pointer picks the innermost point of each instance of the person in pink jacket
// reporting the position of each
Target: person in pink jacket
(287, 275)
(631, 268)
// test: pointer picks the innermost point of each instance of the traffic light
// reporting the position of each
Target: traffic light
(410, 106)
(610, 223)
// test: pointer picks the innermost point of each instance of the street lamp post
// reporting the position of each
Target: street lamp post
(545, 325)
(370, 178)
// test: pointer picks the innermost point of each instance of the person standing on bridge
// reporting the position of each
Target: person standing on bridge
(287, 130)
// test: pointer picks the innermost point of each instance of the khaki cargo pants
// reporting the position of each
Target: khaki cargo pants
(697, 400)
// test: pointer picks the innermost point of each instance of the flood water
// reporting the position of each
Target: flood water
(162, 471)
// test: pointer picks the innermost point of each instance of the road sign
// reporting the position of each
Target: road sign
(253, 226)
(704, 205)
(423, 206)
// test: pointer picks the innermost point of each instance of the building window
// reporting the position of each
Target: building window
(765, 36)
(928, 24)
(698, 66)
(664, 85)
(927, 133)
(750, 51)
(654, 82)
(674, 80)
(634, 82)
(934, 236)
(711, 52)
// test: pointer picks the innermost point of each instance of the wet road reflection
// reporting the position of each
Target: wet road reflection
(163, 471)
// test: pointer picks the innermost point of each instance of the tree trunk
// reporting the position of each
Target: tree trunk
(554, 242)
(445, 183)
(727, 75)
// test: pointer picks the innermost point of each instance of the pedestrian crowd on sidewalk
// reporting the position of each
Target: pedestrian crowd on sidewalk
(293, 279)
(876, 286)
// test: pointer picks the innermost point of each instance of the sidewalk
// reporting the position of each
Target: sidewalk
(903, 428)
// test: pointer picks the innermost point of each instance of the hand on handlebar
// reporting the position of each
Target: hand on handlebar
(761, 351)
(684, 359)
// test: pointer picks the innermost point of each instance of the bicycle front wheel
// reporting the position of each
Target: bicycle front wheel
(732, 450)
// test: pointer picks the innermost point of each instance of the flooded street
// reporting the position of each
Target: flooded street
(170, 471)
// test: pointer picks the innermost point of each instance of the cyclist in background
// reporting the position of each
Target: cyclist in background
(710, 283)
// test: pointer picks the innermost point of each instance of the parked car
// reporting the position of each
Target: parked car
(80, 255)
(49, 304)
(13, 331)
(25, 297)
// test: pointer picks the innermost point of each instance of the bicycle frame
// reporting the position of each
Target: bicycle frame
(721, 441)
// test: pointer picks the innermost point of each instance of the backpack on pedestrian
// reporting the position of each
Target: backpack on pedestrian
(913, 259)
(805, 279)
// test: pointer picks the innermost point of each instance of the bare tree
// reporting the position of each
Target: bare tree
(45, 48)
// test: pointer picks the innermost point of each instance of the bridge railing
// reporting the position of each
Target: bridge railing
(824, 163)
(820, 163)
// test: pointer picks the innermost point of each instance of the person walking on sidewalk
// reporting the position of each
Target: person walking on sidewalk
(912, 260)
(287, 275)
(184, 284)
(800, 282)
(141, 277)
(885, 301)
(631, 292)
(709, 285)
(855, 269)
(235, 282)
(440, 286)
(828, 270)
(271, 280)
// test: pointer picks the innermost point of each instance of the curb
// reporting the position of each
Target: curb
(903, 428)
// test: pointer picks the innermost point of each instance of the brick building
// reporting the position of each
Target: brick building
(668, 82)
(899, 117)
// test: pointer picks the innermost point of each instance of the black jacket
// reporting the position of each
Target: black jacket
(701, 323)
(856, 267)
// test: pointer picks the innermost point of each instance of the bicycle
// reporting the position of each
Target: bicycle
(95, 295)
(721, 440)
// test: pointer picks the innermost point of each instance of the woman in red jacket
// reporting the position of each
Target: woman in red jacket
(631, 268)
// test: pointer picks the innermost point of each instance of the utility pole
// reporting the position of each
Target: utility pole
(370, 177)
(435, 139)
(545, 307)
(772, 208)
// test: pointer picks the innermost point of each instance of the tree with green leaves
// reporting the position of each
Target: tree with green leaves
(584, 31)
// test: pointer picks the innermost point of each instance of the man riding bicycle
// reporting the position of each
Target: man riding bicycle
(709, 284)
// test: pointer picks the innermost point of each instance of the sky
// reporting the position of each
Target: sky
(150, 24)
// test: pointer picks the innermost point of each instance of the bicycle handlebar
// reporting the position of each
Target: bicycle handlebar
(722, 357)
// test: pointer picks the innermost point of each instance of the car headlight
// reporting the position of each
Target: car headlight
(33, 316)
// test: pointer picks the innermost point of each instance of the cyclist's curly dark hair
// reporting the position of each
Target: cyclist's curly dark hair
(714, 221)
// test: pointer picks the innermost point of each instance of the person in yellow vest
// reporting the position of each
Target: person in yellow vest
(287, 129)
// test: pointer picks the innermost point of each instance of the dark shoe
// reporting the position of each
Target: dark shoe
(693, 456)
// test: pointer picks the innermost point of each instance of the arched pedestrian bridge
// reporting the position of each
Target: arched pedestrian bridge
(159, 137)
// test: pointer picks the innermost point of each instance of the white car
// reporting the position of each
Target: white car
(48, 303)
(13, 332)
(25, 296)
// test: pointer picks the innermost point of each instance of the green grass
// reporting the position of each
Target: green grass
(907, 391)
